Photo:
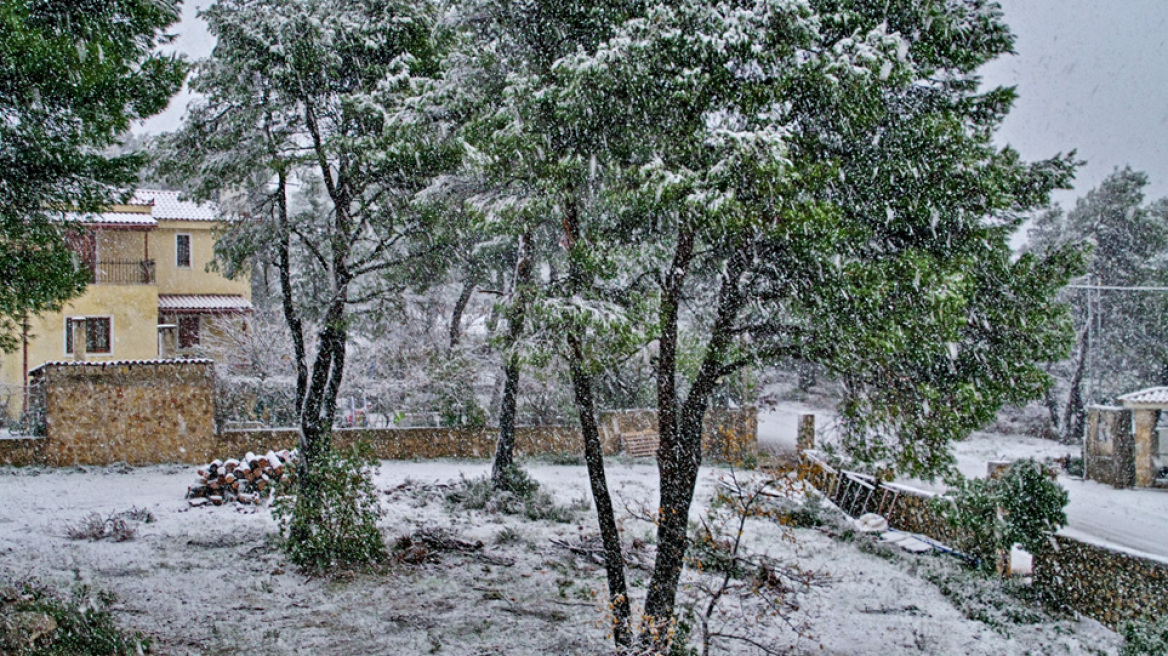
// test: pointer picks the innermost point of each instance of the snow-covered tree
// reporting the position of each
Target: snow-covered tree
(316, 93)
(1122, 340)
(813, 180)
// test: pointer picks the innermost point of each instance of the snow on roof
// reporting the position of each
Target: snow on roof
(1152, 396)
(113, 218)
(203, 303)
(167, 206)
(118, 363)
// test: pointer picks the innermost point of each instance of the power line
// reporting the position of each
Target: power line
(1117, 288)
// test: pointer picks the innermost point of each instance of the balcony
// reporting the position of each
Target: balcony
(122, 272)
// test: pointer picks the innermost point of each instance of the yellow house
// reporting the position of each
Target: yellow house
(150, 295)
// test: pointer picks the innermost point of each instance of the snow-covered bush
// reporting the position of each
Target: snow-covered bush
(520, 495)
(1146, 638)
(1023, 507)
(332, 522)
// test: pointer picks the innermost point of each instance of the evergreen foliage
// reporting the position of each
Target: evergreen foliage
(1023, 507)
(73, 76)
(1128, 243)
(332, 523)
(1145, 638)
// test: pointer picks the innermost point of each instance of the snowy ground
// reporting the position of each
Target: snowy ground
(1130, 520)
(208, 580)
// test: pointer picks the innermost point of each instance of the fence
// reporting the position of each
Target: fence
(1104, 583)
(123, 272)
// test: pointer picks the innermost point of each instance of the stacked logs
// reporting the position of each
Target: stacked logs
(250, 480)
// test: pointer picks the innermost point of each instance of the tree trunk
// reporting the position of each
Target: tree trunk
(320, 402)
(1052, 409)
(291, 316)
(680, 454)
(1074, 416)
(671, 457)
(505, 447)
(614, 563)
(468, 288)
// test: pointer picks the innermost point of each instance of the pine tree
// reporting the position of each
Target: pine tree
(317, 93)
(1122, 342)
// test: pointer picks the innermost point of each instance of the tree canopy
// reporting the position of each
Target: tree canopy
(73, 76)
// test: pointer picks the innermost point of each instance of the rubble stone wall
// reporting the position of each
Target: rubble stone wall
(407, 443)
(727, 433)
(1108, 585)
(1109, 447)
(138, 413)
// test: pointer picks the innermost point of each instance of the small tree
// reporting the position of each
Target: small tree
(317, 92)
(1023, 507)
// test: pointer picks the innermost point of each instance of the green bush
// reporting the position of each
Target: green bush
(84, 624)
(1145, 638)
(331, 521)
(1023, 507)
(520, 495)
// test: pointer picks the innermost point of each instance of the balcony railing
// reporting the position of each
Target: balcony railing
(128, 272)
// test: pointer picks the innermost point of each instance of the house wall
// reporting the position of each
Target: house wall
(134, 309)
(197, 279)
(219, 335)
(121, 245)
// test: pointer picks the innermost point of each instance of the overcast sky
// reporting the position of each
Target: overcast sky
(1092, 76)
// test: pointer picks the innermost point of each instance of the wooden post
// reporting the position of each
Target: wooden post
(806, 437)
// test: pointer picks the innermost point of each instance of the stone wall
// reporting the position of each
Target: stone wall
(905, 508)
(136, 412)
(146, 412)
(1108, 446)
(727, 433)
(407, 443)
(1105, 584)
(1108, 585)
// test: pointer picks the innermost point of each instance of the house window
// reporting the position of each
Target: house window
(188, 332)
(98, 334)
(182, 250)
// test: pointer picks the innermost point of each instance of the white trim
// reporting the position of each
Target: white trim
(190, 250)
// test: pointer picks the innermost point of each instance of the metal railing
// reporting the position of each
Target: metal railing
(122, 272)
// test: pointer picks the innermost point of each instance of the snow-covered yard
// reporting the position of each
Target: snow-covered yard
(205, 580)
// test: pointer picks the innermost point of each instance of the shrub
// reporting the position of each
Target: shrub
(520, 495)
(332, 521)
(116, 527)
(1145, 638)
(81, 624)
(1024, 507)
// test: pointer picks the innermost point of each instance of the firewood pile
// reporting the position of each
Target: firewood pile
(249, 481)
